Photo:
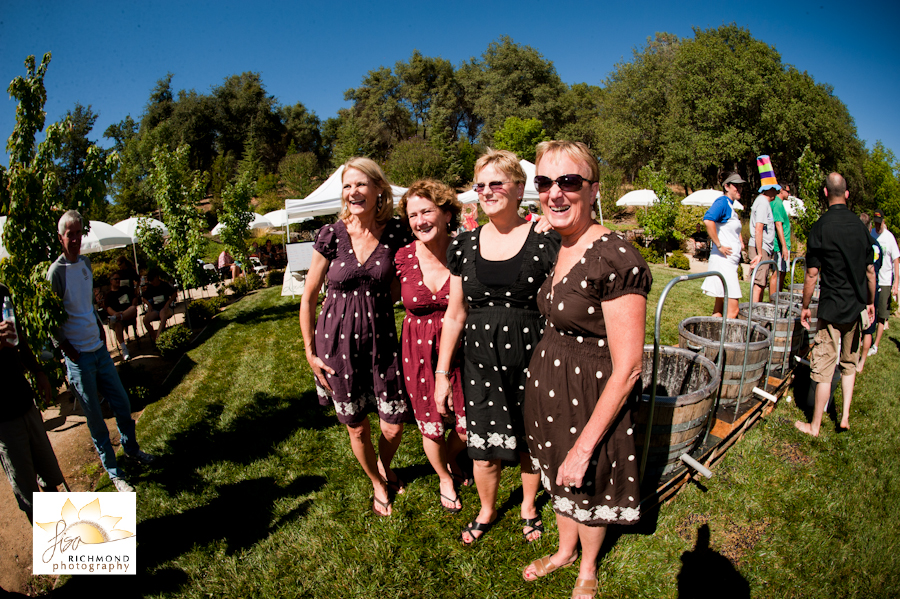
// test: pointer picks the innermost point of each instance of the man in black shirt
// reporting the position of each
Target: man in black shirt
(159, 297)
(840, 250)
(25, 450)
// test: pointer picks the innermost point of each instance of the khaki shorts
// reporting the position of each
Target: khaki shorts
(825, 351)
(762, 275)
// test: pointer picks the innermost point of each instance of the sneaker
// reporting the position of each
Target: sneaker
(140, 456)
(872, 350)
(122, 485)
(125, 355)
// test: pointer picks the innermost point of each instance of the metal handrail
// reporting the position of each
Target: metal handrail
(653, 377)
(786, 360)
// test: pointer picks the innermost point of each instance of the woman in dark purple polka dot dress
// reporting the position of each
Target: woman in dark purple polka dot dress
(584, 376)
(353, 350)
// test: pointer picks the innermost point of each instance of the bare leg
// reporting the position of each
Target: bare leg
(531, 484)
(388, 443)
(847, 382)
(591, 540)
(436, 450)
(879, 332)
(361, 443)
(733, 308)
(718, 306)
(164, 317)
(120, 327)
(757, 292)
(568, 547)
(864, 352)
(823, 390)
(487, 479)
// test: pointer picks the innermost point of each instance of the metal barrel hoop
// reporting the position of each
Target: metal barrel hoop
(787, 357)
(737, 405)
(653, 375)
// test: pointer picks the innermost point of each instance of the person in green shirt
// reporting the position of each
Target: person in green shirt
(782, 253)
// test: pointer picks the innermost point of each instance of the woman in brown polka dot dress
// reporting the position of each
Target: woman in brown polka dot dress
(496, 273)
(432, 211)
(584, 377)
(352, 348)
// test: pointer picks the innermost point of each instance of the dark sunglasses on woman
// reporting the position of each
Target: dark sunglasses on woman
(565, 182)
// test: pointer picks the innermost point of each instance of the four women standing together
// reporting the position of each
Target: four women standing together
(550, 329)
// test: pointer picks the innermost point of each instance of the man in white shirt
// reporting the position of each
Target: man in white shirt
(888, 275)
(81, 338)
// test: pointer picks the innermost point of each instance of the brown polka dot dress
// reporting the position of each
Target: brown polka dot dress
(567, 375)
(502, 329)
(355, 332)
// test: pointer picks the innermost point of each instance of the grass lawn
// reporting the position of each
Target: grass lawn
(258, 494)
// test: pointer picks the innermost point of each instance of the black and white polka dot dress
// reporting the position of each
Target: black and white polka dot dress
(567, 374)
(356, 333)
(502, 329)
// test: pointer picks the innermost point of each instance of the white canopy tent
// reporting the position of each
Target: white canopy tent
(638, 197)
(259, 222)
(706, 197)
(326, 199)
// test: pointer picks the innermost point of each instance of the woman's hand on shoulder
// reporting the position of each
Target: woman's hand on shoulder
(542, 225)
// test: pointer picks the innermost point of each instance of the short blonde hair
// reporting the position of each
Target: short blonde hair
(438, 193)
(576, 150)
(376, 176)
(505, 161)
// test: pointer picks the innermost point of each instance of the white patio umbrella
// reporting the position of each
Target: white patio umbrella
(259, 222)
(129, 226)
(3, 252)
(638, 197)
(703, 197)
(102, 237)
(793, 205)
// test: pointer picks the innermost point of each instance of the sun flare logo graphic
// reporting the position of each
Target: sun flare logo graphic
(85, 540)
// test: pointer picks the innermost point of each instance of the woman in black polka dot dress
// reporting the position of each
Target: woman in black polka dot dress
(353, 349)
(584, 377)
(496, 273)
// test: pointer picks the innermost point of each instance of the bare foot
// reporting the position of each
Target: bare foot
(449, 498)
(805, 427)
(382, 505)
(844, 426)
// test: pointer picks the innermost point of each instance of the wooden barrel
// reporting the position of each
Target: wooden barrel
(686, 388)
(786, 321)
(797, 288)
(702, 333)
(797, 299)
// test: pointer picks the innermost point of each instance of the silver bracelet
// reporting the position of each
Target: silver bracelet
(444, 372)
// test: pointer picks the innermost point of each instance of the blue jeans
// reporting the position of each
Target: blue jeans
(95, 373)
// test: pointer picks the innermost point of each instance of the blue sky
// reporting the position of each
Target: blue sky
(110, 54)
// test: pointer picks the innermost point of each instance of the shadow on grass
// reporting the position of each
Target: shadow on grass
(260, 425)
(706, 573)
(276, 312)
(239, 518)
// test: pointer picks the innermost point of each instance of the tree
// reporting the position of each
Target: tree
(512, 80)
(659, 219)
(178, 191)
(236, 217)
(300, 173)
(29, 198)
(882, 172)
(809, 190)
(75, 186)
(413, 159)
(520, 137)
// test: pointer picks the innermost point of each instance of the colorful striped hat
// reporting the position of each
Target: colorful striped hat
(766, 174)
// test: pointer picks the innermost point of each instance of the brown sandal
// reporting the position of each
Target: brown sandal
(545, 566)
(585, 586)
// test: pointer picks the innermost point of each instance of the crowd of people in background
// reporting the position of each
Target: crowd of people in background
(522, 340)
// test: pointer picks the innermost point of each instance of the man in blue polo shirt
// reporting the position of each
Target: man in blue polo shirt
(837, 249)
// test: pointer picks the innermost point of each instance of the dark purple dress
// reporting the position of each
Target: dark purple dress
(420, 342)
(355, 332)
(567, 375)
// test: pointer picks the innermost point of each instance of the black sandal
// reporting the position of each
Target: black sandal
(535, 524)
(473, 527)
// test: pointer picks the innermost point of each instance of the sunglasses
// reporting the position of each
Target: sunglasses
(494, 185)
(565, 182)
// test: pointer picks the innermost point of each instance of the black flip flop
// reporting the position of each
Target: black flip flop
(476, 526)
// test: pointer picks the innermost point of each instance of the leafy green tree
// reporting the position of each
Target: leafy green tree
(236, 217)
(583, 104)
(300, 173)
(520, 137)
(658, 220)
(512, 80)
(611, 179)
(811, 180)
(29, 198)
(883, 175)
(77, 188)
(178, 191)
(413, 159)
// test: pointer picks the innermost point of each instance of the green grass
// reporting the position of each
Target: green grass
(258, 494)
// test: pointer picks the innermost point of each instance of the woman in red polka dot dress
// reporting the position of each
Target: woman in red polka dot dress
(432, 211)
(584, 376)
